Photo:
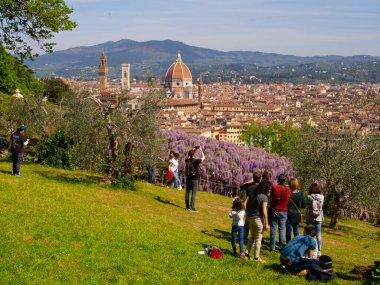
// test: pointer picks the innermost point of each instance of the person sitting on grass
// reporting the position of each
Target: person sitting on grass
(237, 214)
(297, 255)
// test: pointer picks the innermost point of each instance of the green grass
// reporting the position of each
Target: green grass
(61, 227)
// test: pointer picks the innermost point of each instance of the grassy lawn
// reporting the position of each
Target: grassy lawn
(62, 227)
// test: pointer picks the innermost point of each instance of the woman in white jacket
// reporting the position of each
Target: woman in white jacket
(314, 212)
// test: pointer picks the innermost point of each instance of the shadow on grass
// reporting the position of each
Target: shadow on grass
(65, 178)
(167, 202)
(277, 268)
(348, 277)
(6, 172)
(219, 234)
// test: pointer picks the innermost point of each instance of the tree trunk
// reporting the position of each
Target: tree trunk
(335, 212)
(114, 168)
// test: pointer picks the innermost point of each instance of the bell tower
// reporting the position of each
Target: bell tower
(103, 72)
(125, 76)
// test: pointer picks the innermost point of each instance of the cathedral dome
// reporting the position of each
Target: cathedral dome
(178, 71)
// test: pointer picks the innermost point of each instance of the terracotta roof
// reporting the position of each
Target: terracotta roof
(178, 71)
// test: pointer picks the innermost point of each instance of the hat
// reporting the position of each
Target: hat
(23, 128)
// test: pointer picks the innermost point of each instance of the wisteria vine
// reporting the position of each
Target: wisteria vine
(227, 165)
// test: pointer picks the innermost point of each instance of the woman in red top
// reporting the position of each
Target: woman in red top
(280, 196)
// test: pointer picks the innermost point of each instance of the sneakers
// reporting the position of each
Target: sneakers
(246, 256)
(179, 188)
(194, 210)
(17, 174)
(260, 260)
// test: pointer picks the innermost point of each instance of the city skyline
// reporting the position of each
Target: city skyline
(287, 27)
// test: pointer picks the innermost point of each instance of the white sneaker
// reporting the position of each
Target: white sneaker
(179, 188)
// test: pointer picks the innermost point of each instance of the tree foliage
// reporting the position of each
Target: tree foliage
(57, 151)
(348, 167)
(273, 137)
(55, 89)
(14, 75)
(28, 23)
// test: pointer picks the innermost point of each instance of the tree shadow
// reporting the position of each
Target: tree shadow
(65, 178)
(167, 202)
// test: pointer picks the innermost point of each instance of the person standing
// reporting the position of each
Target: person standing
(314, 212)
(192, 177)
(250, 187)
(173, 167)
(237, 214)
(258, 218)
(18, 141)
(297, 201)
(280, 196)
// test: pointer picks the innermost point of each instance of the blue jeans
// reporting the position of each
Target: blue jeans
(240, 231)
(176, 179)
(191, 186)
(279, 218)
(150, 174)
(318, 227)
(289, 227)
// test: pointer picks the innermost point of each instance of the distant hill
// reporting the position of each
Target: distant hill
(156, 56)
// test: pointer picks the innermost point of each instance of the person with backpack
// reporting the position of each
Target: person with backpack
(280, 196)
(192, 177)
(314, 212)
(297, 202)
(18, 141)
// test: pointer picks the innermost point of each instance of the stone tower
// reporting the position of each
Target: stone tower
(200, 83)
(103, 72)
(125, 76)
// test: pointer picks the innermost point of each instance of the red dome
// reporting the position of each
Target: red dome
(178, 71)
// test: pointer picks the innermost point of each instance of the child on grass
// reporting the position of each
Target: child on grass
(237, 214)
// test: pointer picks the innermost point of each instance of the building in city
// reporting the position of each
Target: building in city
(178, 80)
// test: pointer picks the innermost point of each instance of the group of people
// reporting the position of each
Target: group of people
(271, 207)
(191, 172)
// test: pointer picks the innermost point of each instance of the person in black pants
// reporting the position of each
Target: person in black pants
(18, 141)
(192, 177)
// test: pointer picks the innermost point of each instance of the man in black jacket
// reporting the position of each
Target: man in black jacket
(18, 140)
(192, 177)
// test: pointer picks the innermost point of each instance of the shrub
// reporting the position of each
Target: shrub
(57, 151)
(126, 183)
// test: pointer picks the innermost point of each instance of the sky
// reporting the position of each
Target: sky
(297, 27)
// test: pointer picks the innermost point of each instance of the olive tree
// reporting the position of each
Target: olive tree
(347, 166)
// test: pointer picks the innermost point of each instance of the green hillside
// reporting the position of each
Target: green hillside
(61, 227)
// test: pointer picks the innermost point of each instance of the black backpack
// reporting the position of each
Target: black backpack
(190, 169)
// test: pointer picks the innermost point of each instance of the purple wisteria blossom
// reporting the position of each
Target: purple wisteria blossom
(226, 165)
